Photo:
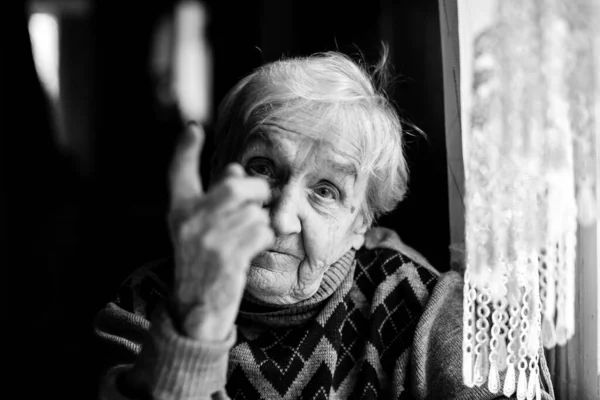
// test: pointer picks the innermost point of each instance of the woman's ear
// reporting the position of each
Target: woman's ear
(358, 241)
(358, 233)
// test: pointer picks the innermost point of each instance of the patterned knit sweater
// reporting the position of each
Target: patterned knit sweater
(383, 325)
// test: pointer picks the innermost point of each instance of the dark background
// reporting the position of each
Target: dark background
(82, 218)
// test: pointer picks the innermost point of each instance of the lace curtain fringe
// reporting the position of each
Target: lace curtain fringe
(529, 180)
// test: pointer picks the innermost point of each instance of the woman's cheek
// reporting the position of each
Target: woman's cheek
(322, 234)
(330, 243)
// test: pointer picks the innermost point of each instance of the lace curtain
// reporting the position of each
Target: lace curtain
(530, 116)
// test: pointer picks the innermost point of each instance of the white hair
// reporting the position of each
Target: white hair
(341, 93)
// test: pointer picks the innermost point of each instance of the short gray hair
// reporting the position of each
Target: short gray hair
(341, 91)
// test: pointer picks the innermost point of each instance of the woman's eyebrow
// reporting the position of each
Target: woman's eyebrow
(344, 168)
(258, 141)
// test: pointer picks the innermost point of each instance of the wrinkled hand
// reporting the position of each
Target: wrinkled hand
(215, 236)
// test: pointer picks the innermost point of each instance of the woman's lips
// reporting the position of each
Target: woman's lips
(268, 258)
(284, 253)
(275, 260)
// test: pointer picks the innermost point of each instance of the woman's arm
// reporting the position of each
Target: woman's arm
(215, 234)
(144, 360)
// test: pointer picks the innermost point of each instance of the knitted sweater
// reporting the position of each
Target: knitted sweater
(383, 325)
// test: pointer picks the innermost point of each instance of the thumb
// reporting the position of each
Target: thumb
(185, 181)
(234, 170)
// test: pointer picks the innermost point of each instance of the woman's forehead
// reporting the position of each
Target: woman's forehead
(291, 138)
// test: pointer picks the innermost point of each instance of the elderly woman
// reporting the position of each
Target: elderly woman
(279, 287)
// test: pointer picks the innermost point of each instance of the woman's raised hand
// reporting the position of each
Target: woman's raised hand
(215, 236)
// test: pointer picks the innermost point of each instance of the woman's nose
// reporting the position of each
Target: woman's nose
(284, 211)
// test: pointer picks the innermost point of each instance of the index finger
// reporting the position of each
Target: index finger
(184, 178)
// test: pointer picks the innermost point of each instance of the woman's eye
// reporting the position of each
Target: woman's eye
(261, 167)
(327, 192)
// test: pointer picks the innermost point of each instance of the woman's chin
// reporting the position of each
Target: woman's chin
(272, 287)
(273, 278)
(270, 290)
(269, 283)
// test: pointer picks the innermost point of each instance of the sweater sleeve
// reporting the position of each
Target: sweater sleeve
(436, 364)
(151, 360)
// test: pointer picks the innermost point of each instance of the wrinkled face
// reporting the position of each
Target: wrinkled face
(315, 209)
